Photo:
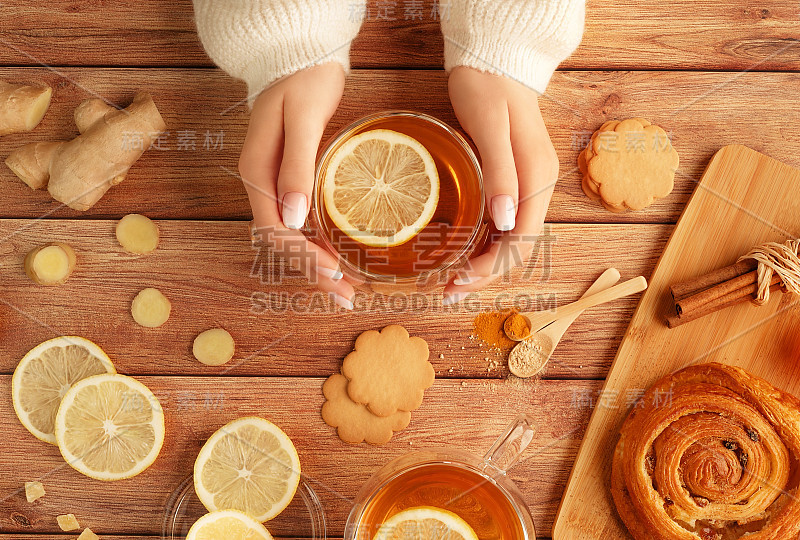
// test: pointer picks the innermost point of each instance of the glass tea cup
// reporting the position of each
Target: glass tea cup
(477, 489)
(304, 517)
(458, 228)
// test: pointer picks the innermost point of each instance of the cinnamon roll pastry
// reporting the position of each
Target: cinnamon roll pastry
(710, 453)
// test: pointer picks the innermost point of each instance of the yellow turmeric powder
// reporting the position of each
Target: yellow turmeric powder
(488, 327)
(517, 327)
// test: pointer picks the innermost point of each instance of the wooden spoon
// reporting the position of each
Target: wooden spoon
(524, 362)
(539, 319)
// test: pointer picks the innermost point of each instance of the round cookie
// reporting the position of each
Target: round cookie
(388, 371)
(353, 421)
(629, 165)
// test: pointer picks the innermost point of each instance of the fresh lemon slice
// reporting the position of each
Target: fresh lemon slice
(45, 374)
(425, 523)
(381, 188)
(248, 465)
(227, 525)
(110, 427)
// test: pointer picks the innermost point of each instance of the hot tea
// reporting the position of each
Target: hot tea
(455, 227)
(473, 497)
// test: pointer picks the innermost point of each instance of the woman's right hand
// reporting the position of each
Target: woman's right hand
(277, 166)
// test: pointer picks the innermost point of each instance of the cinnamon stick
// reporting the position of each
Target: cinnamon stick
(688, 288)
(707, 296)
(746, 293)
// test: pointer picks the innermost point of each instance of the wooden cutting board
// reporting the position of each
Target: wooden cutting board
(744, 198)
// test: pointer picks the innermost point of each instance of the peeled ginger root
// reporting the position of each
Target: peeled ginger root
(150, 308)
(214, 347)
(137, 234)
(22, 106)
(51, 264)
(79, 172)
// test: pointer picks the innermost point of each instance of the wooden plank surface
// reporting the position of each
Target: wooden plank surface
(468, 411)
(651, 34)
(744, 199)
(701, 111)
(206, 269)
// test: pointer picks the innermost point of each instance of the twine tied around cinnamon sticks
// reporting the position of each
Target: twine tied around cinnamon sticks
(766, 268)
(780, 259)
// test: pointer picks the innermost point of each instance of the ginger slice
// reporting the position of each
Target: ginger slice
(214, 347)
(67, 522)
(34, 491)
(137, 234)
(150, 308)
(22, 106)
(51, 264)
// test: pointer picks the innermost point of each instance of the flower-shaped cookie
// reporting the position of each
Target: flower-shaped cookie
(629, 165)
(388, 371)
(353, 421)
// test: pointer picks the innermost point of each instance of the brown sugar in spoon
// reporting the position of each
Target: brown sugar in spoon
(530, 356)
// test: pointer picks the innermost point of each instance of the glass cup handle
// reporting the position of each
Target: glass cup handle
(510, 446)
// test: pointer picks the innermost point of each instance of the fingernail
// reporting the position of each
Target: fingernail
(503, 212)
(328, 273)
(454, 298)
(295, 208)
(343, 302)
(466, 280)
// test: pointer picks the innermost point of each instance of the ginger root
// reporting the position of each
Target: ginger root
(213, 347)
(137, 234)
(51, 264)
(79, 172)
(22, 106)
(150, 308)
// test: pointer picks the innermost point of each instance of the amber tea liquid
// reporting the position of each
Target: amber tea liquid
(458, 216)
(460, 490)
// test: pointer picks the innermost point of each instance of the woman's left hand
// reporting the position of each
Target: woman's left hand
(520, 169)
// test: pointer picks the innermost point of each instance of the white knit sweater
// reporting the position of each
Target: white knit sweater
(260, 41)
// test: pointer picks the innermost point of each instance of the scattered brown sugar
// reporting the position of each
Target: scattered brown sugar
(33, 491)
(516, 326)
(488, 327)
(87, 534)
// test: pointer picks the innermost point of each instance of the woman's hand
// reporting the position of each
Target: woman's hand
(277, 167)
(520, 168)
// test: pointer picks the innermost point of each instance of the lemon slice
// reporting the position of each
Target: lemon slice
(425, 523)
(381, 188)
(248, 465)
(227, 525)
(109, 427)
(45, 374)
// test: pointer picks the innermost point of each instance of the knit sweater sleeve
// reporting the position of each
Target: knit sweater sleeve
(521, 39)
(260, 41)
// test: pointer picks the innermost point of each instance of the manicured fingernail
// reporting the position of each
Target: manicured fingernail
(466, 280)
(343, 302)
(328, 273)
(503, 212)
(454, 298)
(295, 208)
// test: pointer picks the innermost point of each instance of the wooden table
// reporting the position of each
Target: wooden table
(711, 73)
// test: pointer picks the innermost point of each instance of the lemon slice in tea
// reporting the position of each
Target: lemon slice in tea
(381, 188)
(45, 374)
(109, 427)
(227, 525)
(248, 465)
(425, 522)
